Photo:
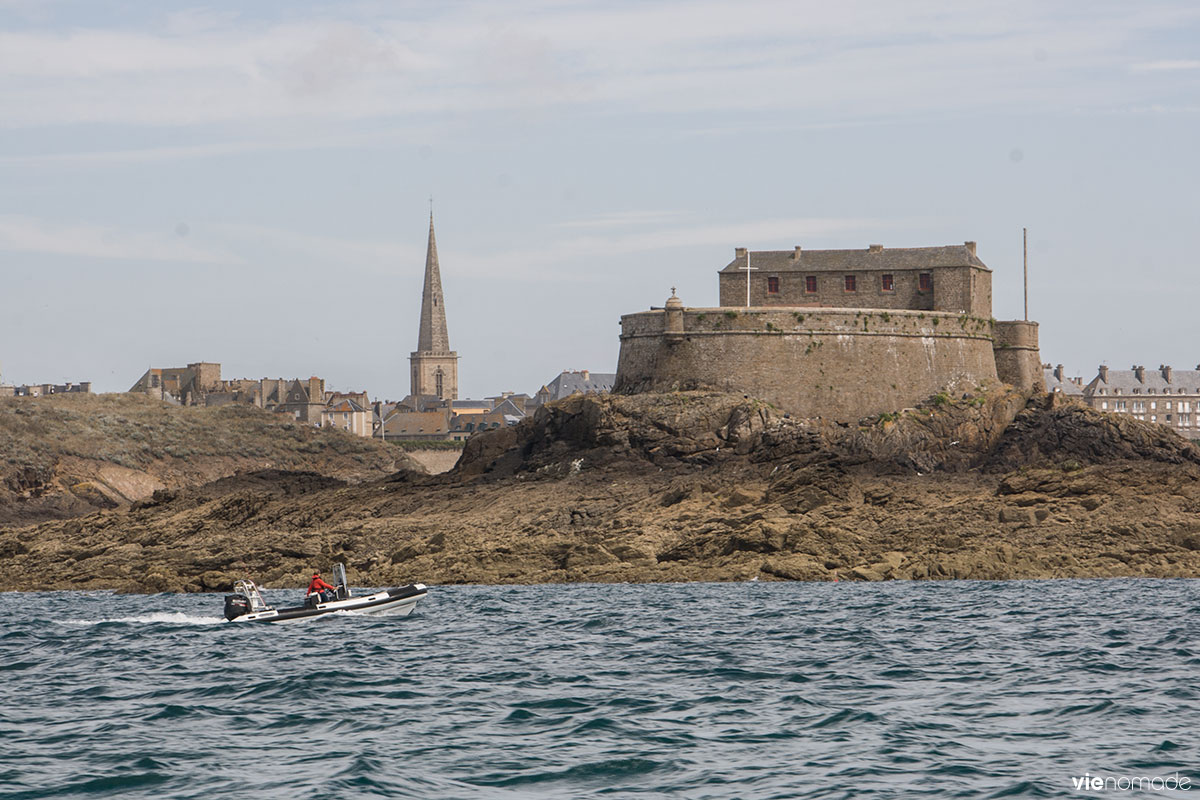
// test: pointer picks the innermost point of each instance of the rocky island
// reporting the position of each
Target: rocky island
(677, 486)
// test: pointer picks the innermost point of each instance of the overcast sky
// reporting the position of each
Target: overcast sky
(249, 183)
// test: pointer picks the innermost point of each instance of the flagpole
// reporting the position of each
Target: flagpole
(748, 268)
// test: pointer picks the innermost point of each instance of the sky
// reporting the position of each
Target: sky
(250, 183)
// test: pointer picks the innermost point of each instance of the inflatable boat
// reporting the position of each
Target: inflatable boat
(246, 604)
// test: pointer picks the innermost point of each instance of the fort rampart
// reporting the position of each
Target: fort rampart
(841, 364)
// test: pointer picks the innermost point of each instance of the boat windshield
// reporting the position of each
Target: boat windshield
(248, 588)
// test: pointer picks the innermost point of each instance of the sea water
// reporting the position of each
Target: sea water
(746, 690)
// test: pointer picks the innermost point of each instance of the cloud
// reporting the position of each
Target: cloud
(531, 264)
(621, 219)
(32, 235)
(839, 62)
(302, 250)
(1165, 66)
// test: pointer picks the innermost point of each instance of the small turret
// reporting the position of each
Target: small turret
(674, 311)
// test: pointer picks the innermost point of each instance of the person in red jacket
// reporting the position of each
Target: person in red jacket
(321, 589)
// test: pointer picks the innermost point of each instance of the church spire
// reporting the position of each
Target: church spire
(433, 336)
(434, 365)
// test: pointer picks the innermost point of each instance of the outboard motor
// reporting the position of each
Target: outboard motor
(236, 605)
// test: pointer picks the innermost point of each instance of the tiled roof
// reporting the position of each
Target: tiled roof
(568, 383)
(901, 258)
(1127, 380)
(344, 405)
(1053, 384)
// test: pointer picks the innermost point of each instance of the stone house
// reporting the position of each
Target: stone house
(1164, 396)
(44, 389)
(569, 382)
(347, 413)
(950, 278)
(1057, 382)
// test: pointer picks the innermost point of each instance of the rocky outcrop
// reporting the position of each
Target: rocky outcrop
(66, 456)
(676, 487)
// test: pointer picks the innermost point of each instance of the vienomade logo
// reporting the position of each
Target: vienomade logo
(1126, 783)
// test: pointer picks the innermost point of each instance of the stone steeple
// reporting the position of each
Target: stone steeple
(434, 364)
(433, 338)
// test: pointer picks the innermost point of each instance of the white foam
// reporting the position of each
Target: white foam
(172, 617)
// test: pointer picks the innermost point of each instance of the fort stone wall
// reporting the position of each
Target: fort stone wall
(1018, 360)
(841, 364)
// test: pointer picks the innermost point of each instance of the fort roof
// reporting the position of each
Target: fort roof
(875, 257)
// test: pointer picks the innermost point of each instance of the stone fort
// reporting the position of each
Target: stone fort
(837, 334)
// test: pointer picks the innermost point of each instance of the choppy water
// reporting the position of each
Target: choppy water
(752, 690)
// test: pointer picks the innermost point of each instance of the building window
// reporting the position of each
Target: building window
(1153, 405)
(925, 282)
(1116, 391)
(1168, 405)
(1185, 419)
(1154, 417)
(886, 283)
(772, 285)
(1168, 417)
(1104, 405)
(851, 284)
(810, 284)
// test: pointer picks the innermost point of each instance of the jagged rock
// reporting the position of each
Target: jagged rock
(682, 486)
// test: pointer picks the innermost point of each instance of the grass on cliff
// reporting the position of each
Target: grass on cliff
(134, 431)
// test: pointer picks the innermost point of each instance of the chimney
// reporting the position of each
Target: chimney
(970, 247)
(1140, 372)
(587, 376)
(875, 248)
(1104, 373)
(1058, 372)
(739, 252)
(1166, 372)
(796, 253)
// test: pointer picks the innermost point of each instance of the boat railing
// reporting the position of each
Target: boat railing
(252, 593)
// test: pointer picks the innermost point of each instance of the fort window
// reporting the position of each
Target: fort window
(772, 285)
(851, 284)
(925, 282)
(810, 284)
(886, 283)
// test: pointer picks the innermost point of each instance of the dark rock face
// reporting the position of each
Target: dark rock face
(673, 487)
(1044, 434)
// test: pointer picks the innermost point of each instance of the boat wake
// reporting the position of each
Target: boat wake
(157, 618)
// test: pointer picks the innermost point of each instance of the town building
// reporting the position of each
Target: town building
(1165, 396)
(347, 411)
(305, 400)
(1058, 383)
(44, 389)
(837, 334)
(569, 382)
